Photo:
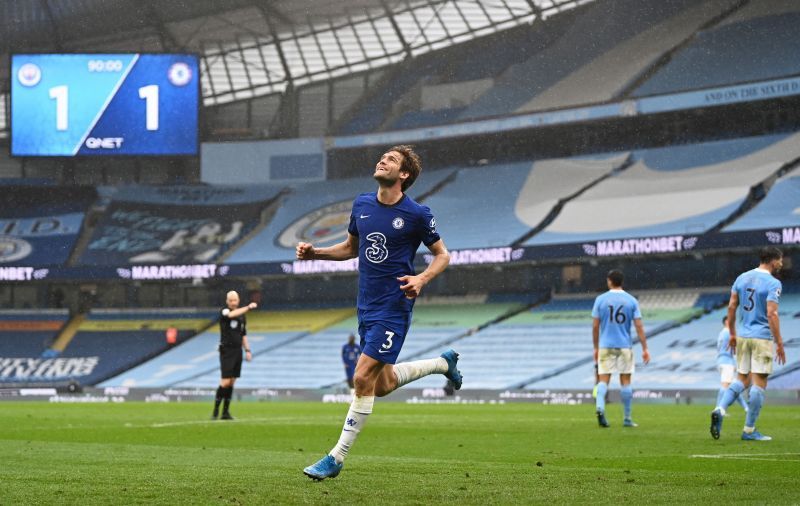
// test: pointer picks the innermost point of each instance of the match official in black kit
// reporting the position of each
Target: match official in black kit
(232, 339)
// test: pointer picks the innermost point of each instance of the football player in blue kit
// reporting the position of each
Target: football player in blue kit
(755, 337)
(350, 353)
(385, 231)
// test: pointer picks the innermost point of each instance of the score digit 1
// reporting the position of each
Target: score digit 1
(150, 96)
(61, 95)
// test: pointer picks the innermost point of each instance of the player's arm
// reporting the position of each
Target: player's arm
(247, 354)
(637, 322)
(732, 305)
(413, 284)
(344, 250)
(596, 337)
(236, 313)
(775, 328)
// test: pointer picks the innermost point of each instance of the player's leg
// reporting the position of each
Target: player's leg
(350, 373)
(762, 367)
(626, 367)
(606, 365)
(226, 401)
(743, 366)
(220, 394)
(626, 395)
(726, 376)
(368, 369)
(735, 389)
(233, 372)
(224, 382)
(394, 377)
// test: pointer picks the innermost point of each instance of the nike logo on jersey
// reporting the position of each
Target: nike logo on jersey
(365, 216)
(384, 351)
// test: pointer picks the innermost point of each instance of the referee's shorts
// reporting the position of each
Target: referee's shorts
(230, 362)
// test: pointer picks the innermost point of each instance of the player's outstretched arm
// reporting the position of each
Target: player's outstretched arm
(775, 329)
(236, 313)
(732, 305)
(412, 285)
(642, 339)
(344, 250)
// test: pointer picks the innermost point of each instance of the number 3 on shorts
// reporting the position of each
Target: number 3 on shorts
(388, 344)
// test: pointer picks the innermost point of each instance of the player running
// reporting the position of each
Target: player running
(233, 337)
(726, 363)
(756, 294)
(612, 315)
(350, 353)
(386, 228)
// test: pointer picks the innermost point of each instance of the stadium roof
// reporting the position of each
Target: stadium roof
(257, 47)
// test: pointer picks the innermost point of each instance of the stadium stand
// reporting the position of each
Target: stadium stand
(116, 340)
(38, 231)
(476, 209)
(780, 208)
(685, 356)
(788, 377)
(553, 181)
(756, 43)
(315, 359)
(316, 212)
(613, 71)
(621, 21)
(710, 181)
(28, 333)
(571, 364)
(196, 362)
(536, 68)
(497, 204)
(176, 224)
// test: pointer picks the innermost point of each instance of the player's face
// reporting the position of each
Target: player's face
(776, 265)
(387, 171)
(232, 301)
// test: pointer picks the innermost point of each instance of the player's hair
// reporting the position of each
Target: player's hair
(725, 319)
(770, 253)
(412, 164)
(616, 277)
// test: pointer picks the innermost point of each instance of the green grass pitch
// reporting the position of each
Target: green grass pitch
(139, 453)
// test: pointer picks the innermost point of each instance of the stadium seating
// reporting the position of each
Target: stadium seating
(621, 21)
(40, 231)
(710, 181)
(551, 181)
(756, 43)
(196, 362)
(780, 208)
(316, 212)
(610, 72)
(476, 210)
(684, 357)
(121, 339)
(495, 205)
(177, 224)
(557, 335)
(315, 359)
(27, 333)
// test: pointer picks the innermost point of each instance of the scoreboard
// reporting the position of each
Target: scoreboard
(104, 104)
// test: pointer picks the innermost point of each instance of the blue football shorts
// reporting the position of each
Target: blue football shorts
(383, 339)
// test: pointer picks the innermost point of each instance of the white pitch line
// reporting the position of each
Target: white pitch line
(749, 456)
(218, 422)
